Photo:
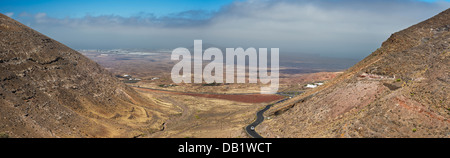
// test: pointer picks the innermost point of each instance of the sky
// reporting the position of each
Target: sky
(335, 28)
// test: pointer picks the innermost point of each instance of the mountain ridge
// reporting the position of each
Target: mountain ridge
(50, 90)
(407, 77)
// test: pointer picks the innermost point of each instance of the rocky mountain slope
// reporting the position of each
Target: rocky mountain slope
(400, 90)
(50, 90)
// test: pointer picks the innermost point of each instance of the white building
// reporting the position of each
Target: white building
(314, 85)
(311, 86)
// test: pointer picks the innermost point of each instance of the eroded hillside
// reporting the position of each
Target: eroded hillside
(400, 90)
(50, 90)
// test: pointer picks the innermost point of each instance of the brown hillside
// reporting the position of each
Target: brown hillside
(50, 90)
(400, 90)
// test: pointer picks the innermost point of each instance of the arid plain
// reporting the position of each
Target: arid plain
(199, 110)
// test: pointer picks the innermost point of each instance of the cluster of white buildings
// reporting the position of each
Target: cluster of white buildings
(131, 78)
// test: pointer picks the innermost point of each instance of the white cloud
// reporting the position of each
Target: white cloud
(337, 28)
(40, 15)
(10, 14)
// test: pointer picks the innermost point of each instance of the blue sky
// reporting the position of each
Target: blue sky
(342, 28)
(79, 8)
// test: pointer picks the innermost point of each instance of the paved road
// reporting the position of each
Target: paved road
(250, 129)
(259, 119)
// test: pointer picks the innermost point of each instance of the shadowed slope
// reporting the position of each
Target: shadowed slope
(50, 90)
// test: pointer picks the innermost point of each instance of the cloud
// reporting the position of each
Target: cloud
(10, 14)
(182, 19)
(346, 28)
(335, 28)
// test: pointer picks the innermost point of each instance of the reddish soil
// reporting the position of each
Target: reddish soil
(402, 101)
(245, 98)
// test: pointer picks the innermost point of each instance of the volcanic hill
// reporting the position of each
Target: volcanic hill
(50, 90)
(400, 90)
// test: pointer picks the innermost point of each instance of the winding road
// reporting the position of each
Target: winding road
(259, 119)
(250, 129)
